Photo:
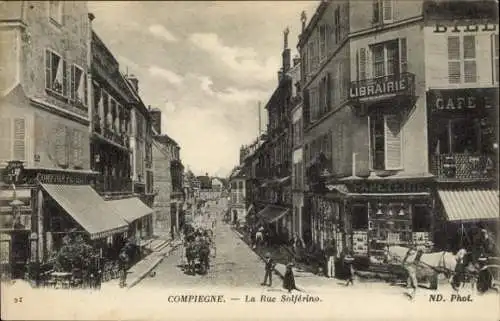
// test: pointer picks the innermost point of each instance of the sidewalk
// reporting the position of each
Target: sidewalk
(161, 249)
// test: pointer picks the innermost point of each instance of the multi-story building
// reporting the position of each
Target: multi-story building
(274, 203)
(45, 77)
(167, 178)
(299, 221)
(115, 101)
(365, 76)
(237, 195)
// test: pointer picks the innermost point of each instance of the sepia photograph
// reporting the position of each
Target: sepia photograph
(249, 160)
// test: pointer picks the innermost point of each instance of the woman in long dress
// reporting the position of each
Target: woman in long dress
(289, 279)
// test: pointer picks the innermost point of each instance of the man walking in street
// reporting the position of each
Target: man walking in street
(269, 267)
(123, 260)
(331, 253)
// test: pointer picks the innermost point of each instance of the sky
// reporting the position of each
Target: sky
(206, 65)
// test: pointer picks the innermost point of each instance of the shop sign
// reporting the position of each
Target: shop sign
(380, 86)
(473, 27)
(396, 187)
(62, 178)
(461, 100)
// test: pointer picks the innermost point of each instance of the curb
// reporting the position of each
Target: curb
(276, 271)
(156, 262)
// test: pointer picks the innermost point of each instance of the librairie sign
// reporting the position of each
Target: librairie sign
(461, 100)
(380, 87)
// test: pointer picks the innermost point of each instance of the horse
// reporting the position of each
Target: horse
(429, 265)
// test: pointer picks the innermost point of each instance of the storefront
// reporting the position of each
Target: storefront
(326, 222)
(463, 133)
(384, 212)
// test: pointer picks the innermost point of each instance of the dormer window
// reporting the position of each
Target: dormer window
(382, 11)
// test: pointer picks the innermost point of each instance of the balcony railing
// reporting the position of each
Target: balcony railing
(382, 87)
(110, 184)
(462, 166)
(121, 139)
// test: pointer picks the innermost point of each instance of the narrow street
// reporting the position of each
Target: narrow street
(235, 265)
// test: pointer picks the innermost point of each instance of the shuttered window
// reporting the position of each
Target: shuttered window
(12, 139)
(403, 55)
(387, 10)
(322, 41)
(393, 142)
(60, 143)
(470, 72)
(5, 139)
(494, 48)
(19, 152)
(362, 63)
(454, 60)
(337, 24)
(77, 148)
(382, 11)
(78, 85)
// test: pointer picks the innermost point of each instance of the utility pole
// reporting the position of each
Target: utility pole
(260, 121)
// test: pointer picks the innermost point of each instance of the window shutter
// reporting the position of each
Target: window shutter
(393, 142)
(470, 72)
(48, 69)
(376, 11)
(454, 72)
(19, 139)
(403, 56)
(60, 146)
(5, 139)
(362, 63)
(65, 78)
(72, 83)
(328, 91)
(306, 109)
(387, 10)
(85, 89)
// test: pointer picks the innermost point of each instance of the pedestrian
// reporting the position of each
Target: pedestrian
(331, 253)
(123, 260)
(289, 279)
(259, 236)
(349, 269)
(269, 267)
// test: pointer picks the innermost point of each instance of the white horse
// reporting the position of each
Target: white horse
(423, 265)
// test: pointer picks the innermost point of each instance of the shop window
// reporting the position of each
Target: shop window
(386, 142)
(359, 217)
(55, 73)
(421, 217)
(458, 136)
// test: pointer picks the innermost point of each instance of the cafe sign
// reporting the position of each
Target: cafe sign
(390, 187)
(461, 100)
(380, 87)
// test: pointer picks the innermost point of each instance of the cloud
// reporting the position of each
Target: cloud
(169, 75)
(230, 94)
(239, 59)
(126, 63)
(161, 32)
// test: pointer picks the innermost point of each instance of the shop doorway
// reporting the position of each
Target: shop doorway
(20, 253)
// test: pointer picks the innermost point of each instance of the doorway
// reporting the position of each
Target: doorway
(20, 253)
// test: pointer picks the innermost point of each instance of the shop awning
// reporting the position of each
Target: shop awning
(131, 209)
(90, 210)
(470, 204)
(271, 213)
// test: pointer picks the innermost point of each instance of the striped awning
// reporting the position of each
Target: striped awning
(271, 213)
(99, 218)
(131, 209)
(470, 204)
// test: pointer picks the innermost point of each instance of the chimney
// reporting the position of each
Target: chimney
(134, 82)
(155, 114)
(303, 19)
(286, 52)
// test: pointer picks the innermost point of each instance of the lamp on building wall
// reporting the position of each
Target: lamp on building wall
(401, 210)
(379, 210)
